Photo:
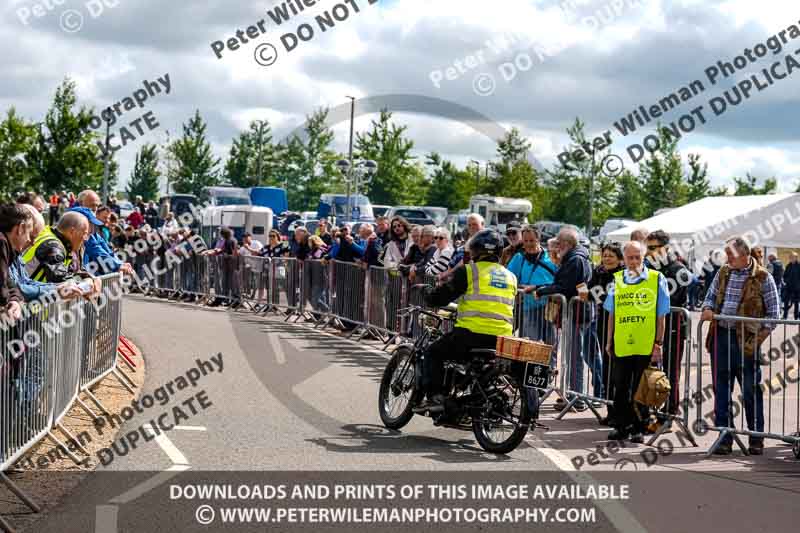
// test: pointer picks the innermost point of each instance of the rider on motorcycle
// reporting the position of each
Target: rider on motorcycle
(485, 291)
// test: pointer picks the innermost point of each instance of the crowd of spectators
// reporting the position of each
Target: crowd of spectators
(85, 238)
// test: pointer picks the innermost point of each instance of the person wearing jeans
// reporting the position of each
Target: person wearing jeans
(742, 288)
(729, 364)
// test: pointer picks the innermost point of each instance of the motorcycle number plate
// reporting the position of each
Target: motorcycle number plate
(536, 376)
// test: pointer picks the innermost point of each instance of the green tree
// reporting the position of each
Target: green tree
(195, 165)
(237, 166)
(308, 167)
(569, 189)
(630, 197)
(67, 155)
(698, 184)
(387, 144)
(17, 138)
(264, 154)
(512, 147)
(662, 175)
(748, 186)
(145, 177)
(798, 187)
(449, 187)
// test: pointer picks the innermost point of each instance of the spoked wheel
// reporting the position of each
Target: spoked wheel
(397, 395)
(501, 427)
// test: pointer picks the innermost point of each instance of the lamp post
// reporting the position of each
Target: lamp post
(362, 171)
(477, 174)
(106, 162)
(350, 151)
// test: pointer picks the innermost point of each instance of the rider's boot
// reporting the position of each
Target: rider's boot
(432, 405)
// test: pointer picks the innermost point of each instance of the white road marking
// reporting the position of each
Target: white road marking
(191, 428)
(277, 349)
(298, 343)
(150, 484)
(172, 452)
(617, 514)
(105, 519)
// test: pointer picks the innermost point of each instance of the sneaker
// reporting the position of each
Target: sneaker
(725, 448)
(580, 406)
(618, 434)
(756, 446)
(637, 438)
(560, 404)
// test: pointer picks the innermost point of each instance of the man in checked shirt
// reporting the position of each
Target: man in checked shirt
(742, 288)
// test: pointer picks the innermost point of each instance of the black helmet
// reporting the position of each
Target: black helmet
(486, 245)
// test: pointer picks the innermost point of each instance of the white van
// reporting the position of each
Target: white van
(241, 219)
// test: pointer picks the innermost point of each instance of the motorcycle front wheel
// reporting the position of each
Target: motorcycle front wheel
(397, 394)
(503, 423)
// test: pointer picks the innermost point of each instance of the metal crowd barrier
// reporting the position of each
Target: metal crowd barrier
(768, 404)
(539, 320)
(47, 358)
(317, 288)
(584, 360)
(348, 295)
(284, 282)
(370, 299)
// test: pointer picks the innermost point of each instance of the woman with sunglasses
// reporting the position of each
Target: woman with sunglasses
(611, 262)
(275, 247)
(441, 257)
(514, 235)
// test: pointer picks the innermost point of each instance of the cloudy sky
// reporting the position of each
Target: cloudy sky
(536, 65)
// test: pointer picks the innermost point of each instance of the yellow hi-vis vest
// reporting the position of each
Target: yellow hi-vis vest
(488, 305)
(32, 265)
(635, 315)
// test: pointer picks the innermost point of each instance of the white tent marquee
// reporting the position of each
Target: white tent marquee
(771, 221)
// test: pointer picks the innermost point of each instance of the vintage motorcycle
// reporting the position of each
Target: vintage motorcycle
(483, 394)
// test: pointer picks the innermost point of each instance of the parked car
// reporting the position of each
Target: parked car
(438, 214)
(414, 215)
(549, 229)
(612, 224)
(310, 224)
(380, 210)
(125, 208)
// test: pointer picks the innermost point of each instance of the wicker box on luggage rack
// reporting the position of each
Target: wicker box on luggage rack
(523, 350)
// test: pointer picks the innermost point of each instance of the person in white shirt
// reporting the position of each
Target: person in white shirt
(444, 252)
(395, 250)
(249, 246)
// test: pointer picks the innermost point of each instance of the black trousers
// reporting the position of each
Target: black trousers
(454, 346)
(627, 374)
(673, 359)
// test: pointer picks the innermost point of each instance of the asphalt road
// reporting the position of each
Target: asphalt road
(295, 405)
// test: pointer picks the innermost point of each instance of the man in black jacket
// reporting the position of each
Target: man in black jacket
(775, 268)
(791, 279)
(677, 328)
(574, 270)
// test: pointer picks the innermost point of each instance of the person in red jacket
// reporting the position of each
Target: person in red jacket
(135, 219)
